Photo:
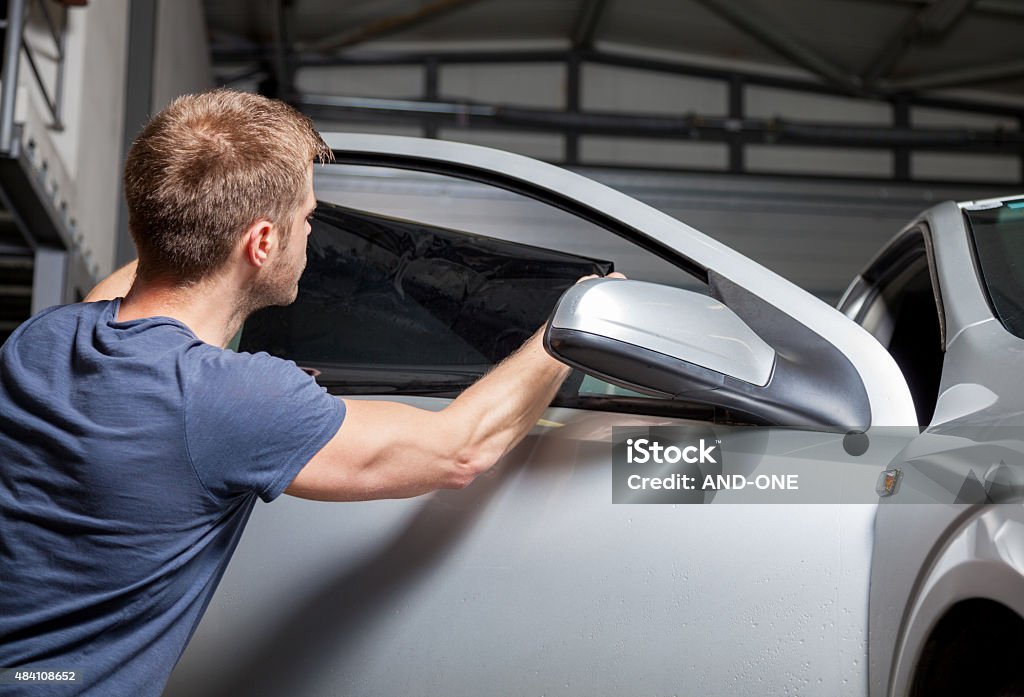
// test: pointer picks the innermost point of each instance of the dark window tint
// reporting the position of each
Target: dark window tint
(389, 305)
(998, 235)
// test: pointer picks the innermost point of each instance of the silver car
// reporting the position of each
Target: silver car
(947, 579)
(575, 568)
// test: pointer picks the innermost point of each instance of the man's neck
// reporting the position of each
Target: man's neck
(211, 309)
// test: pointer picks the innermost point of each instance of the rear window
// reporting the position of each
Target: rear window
(998, 236)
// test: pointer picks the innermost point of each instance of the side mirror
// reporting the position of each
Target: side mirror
(678, 344)
(655, 339)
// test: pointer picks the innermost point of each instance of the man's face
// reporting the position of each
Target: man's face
(279, 283)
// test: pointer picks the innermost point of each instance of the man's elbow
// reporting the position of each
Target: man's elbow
(468, 464)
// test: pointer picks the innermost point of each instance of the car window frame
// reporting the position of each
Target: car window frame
(759, 291)
(911, 245)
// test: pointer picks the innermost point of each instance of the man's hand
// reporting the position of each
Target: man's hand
(116, 285)
(613, 274)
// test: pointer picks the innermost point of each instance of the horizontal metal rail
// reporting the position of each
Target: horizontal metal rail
(257, 58)
(688, 127)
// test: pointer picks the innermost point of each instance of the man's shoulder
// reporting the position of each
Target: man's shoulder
(209, 369)
(222, 359)
(64, 315)
(51, 330)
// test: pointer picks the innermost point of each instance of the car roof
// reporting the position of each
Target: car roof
(982, 204)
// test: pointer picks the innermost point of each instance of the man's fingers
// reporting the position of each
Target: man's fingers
(613, 274)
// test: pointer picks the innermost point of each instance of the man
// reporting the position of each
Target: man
(133, 447)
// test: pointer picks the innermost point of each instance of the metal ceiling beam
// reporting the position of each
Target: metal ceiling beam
(939, 18)
(768, 31)
(953, 78)
(587, 19)
(1010, 7)
(692, 127)
(255, 56)
(931, 22)
(384, 26)
(1005, 8)
(284, 71)
(235, 56)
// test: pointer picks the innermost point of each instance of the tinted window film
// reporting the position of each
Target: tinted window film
(998, 235)
(390, 305)
(486, 209)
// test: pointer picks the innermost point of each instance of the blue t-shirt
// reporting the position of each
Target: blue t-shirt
(131, 455)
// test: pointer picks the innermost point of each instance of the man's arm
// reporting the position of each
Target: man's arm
(115, 285)
(392, 450)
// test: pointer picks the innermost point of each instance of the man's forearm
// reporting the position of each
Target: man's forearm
(116, 285)
(501, 407)
(390, 449)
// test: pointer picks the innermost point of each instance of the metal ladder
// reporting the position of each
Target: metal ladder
(30, 229)
(16, 272)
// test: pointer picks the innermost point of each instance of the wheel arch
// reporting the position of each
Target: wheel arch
(978, 567)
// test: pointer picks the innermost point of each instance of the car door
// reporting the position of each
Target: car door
(532, 581)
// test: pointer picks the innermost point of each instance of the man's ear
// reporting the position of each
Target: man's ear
(259, 242)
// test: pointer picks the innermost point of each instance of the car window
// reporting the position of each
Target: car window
(395, 305)
(482, 209)
(419, 283)
(998, 236)
(902, 312)
(596, 387)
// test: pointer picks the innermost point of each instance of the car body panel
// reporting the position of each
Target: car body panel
(935, 544)
(530, 582)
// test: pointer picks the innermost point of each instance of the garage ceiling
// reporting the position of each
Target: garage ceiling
(861, 46)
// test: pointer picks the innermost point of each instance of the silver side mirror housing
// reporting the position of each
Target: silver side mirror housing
(655, 339)
(678, 344)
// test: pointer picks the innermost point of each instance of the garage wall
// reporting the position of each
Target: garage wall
(606, 88)
(97, 179)
(181, 60)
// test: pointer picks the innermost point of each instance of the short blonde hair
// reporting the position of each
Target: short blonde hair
(206, 168)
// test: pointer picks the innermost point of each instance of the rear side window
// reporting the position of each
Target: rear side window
(998, 236)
